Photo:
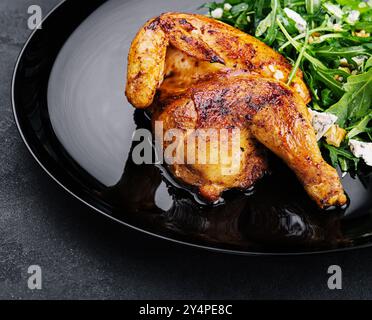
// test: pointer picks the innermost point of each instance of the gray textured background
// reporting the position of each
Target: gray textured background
(84, 255)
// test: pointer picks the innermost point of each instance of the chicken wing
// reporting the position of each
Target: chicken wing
(206, 40)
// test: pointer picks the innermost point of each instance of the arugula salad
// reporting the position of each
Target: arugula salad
(330, 40)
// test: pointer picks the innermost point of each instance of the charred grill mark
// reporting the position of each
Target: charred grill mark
(209, 54)
(167, 25)
(253, 108)
(248, 99)
(231, 105)
(138, 75)
(170, 74)
(153, 25)
(280, 89)
(187, 39)
(211, 31)
(236, 51)
(217, 59)
(248, 53)
(224, 111)
(186, 25)
(212, 107)
(276, 95)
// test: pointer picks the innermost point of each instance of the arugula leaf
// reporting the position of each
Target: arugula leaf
(360, 127)
(263, 25)
(272, 30)
(344, 52)
(364, 25)
(356, 102)
(312, 6)
(341, 157)
(239, 8)
(327, 97)
(368, 63)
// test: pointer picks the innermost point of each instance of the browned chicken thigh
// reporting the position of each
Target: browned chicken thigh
(196, 112)
(237, 85)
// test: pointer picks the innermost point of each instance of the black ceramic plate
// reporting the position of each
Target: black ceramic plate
(69, 104)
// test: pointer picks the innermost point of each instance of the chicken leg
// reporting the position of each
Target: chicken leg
(273, 114)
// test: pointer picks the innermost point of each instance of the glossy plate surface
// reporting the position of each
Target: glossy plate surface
(69, 104)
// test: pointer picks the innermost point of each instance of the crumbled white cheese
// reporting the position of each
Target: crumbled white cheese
(337, 27)
(322, 122)
(334, 9)
(278, 75)
(301, 23)
(359, 60)
(227, 6)
(362, 5)
(353, 17)
(217, 13)
(343, 62)
(362, 150)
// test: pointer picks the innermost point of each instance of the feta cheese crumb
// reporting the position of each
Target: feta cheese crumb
(322, 122)
(337, 27)
(301, 23)
(359, 60)
(343, 62)
(217, 13)
(353, 17)
(362, 150)
(334, 9)
(227, 6)
(278, 75)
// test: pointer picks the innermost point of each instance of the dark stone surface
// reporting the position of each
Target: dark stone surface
(84, 255)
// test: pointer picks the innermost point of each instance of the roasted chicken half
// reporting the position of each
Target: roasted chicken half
(197, 73)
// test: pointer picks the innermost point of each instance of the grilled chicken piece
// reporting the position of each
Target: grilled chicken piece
(208, 41)
(264, 109)
(198, 73)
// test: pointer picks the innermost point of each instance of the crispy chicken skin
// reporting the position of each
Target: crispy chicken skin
(212, 178)
(263, 109)
(194, 72)
(206, 40)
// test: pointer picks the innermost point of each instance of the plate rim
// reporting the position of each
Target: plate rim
(123, 223)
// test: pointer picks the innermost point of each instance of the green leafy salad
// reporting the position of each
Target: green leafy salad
(330, 40)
